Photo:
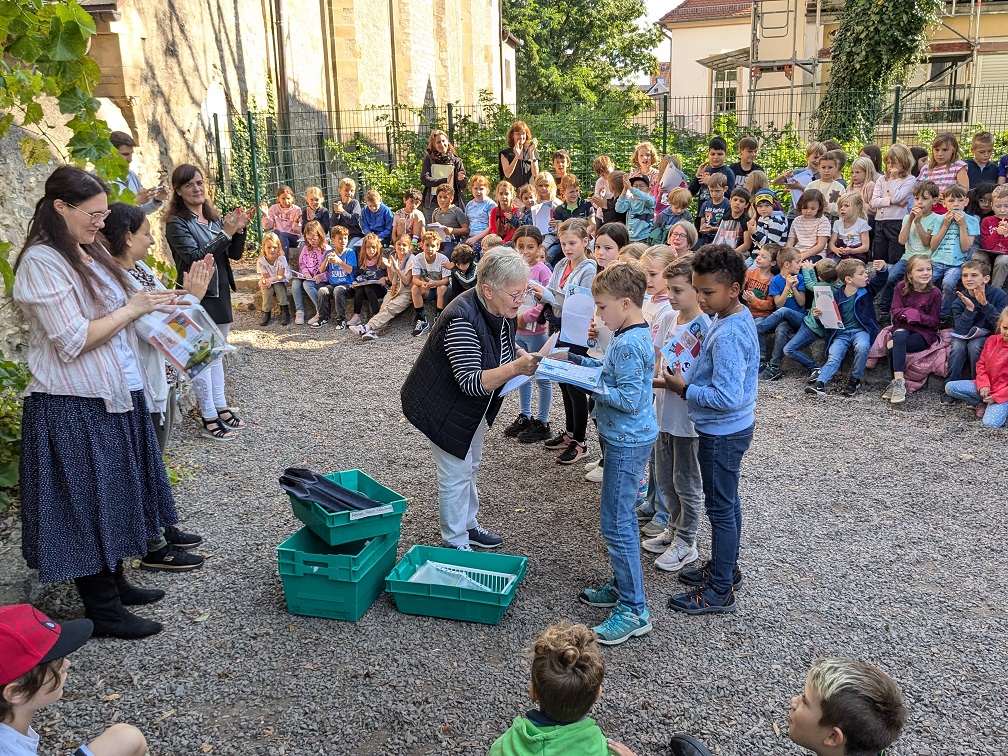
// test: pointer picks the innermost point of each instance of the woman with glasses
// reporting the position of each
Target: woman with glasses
(453, 392)
(196, 230)
(682, 237)
(93, 483)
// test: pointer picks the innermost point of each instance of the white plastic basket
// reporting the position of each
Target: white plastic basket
(438, 573)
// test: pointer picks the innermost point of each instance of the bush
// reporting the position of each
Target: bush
(13, 380)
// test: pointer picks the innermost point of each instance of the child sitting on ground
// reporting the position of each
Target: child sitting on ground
(430, 279)
(787, 290)
(848, 708)
(463, 272)
(767, 225)
(567, 674)
(914, 237)
(915, 319)
(857, 311)
(34, 663)
(399, 297)
(636, 201)
(376, 217)
(478, 211)
(975, 312)
(627, 431)
(994, 236)
(954, 237)
(810, 230)
(721, 401)
(850, 230)
(337, 278)
(409, 219)
(371, 279)
(989, 392)
(274, 273)
(712, 210)
(811, 330)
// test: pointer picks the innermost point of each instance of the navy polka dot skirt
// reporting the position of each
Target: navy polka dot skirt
(93, 485)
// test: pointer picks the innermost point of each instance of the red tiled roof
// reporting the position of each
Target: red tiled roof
(705, 10)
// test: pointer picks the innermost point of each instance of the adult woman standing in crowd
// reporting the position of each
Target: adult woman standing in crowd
(455, 385)
(520, 161)
(682, 237)
(128, 233)
(93, 483)
(441, 152)
(196, 230)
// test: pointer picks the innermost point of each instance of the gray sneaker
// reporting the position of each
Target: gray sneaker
(887, 394)
(677, 556)
(660, 542)
(653, 528)
(898, 393)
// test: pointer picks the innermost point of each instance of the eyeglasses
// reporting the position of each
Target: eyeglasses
(679, 235)
(518, 296)
(96, 216)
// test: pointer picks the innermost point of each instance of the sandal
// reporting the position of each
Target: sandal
(215, 430)
(229, 419)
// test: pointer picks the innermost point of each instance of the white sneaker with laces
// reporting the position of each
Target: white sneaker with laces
(677, 556)
(660, 543)
(589, 466)
(594, 475)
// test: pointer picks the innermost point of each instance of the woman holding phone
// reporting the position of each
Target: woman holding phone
(520, 161)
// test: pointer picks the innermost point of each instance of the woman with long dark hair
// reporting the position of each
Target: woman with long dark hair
(196, 230)
(93, 483)
(441, 152)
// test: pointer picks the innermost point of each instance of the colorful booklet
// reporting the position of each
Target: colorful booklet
(683, 350)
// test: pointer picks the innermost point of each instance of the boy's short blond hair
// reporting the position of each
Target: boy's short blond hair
(717, 179)
(314, 191)
(490, 241)
(983, 137)
(815, 148)
(1000, 192)
(847, 268)
(622, 279)
(347, 181)
(680, 197)
(635, 250)
(372, 195)
(825, 270)
(427, 236)
(340, 231)
(681, 268)
(786, 255)
(567, 671)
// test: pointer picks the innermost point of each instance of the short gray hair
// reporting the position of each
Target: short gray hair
(499, 267)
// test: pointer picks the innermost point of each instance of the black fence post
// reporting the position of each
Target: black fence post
(664, 128)
(323, 172)
(451, 124)
(254, 159)
(217, 148)
(896, 114)
(388, 148)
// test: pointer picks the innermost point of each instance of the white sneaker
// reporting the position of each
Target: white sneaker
(677, 556)
(313, 319)
(299, 318)
(661, 542)
(589, 466)
(358, 329)
(354, 321)
(594, 475)
(899, 392)
(653, 529)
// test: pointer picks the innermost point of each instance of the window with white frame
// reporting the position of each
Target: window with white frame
(725, 90)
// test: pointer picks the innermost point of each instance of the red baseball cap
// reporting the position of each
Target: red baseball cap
(29, 638)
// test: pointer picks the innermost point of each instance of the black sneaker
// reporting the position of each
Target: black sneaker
(697, 576)
(817, 389)
(520, 424)
(772, 373)
(572, 453)
(478, 536)
(702, 601)
(421, 327)
(341, 325)
(181, 540)
(947, 400)
(321, 322)
(558, 441)
(171, 559)
(813, 376)
(536, 431)
(852, 387)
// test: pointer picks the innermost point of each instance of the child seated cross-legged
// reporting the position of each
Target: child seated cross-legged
(756, 293)
(811, 330)
(430, 279)
(989, 392)
(567, 674)
(916, 307)
(399, 297)
(34, 664)
(855, 298)
(787, 290)
(975, 312)
(627, 430)
(273, 276)
(721, 402)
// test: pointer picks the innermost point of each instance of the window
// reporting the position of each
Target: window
(725, 92)
(507, 74)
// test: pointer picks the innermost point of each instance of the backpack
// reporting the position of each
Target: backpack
(686, 745)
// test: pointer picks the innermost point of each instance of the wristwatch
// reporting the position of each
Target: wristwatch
(682, 391)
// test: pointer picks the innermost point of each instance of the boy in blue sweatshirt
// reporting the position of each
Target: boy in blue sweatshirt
(338, 272)
(856, 300)
(721, 402)
(376, 217)
(627, 430)
(639, 206)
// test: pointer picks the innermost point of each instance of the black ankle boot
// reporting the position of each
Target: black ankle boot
(131, 595)
(285, 318)
(103, 606)
(267, 316)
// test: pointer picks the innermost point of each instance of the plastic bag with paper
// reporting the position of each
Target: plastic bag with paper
(187, 337)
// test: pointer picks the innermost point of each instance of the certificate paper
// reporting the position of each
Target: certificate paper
(563, 371)
(824, 301)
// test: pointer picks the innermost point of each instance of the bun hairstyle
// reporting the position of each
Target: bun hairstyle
(567, 671)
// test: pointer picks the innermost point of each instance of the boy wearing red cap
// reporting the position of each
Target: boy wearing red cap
(33, 669)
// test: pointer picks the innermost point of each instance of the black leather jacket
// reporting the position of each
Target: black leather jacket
(190, 240)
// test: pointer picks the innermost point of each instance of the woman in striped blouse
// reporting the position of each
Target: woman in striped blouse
(93, 484)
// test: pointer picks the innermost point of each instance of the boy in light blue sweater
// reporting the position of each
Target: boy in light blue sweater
(721, 402)
(627, 430)
(638, 205)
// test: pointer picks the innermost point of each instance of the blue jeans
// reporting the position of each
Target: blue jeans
(654, 503)
(793, 349)
(720, 460)
(678, 473)
(961, 349)
(287, 241)
(624, 468)
(995, 414)
(896, 273)
(299, 287)
(949, 275)
(838, 349)
(783, 322)
(533, 343)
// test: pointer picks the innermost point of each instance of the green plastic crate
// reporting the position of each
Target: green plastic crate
(338, 582)
(343, 527)
(465, 604)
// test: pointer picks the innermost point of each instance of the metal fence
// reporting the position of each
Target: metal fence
(382, 147)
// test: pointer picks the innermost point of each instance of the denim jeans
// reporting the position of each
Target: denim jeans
(720, 459)
(287, 241)
(458, 498)
(793, 349)
(678, 474)
(624, 468)
(995, 414)
(838, 349)
(896, 273)
(961, 349)
(949, 275)
(298, 289)
(533, 343)
(784, 322)
(654, 502)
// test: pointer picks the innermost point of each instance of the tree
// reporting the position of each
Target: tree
(575, 49)
(868, 59)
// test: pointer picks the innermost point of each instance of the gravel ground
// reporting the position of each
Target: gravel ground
(870, 532)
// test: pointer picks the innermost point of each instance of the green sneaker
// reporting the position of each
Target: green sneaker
(623, 624)
(604, 596)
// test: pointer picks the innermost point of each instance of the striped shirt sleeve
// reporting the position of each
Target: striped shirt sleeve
(465, 356)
